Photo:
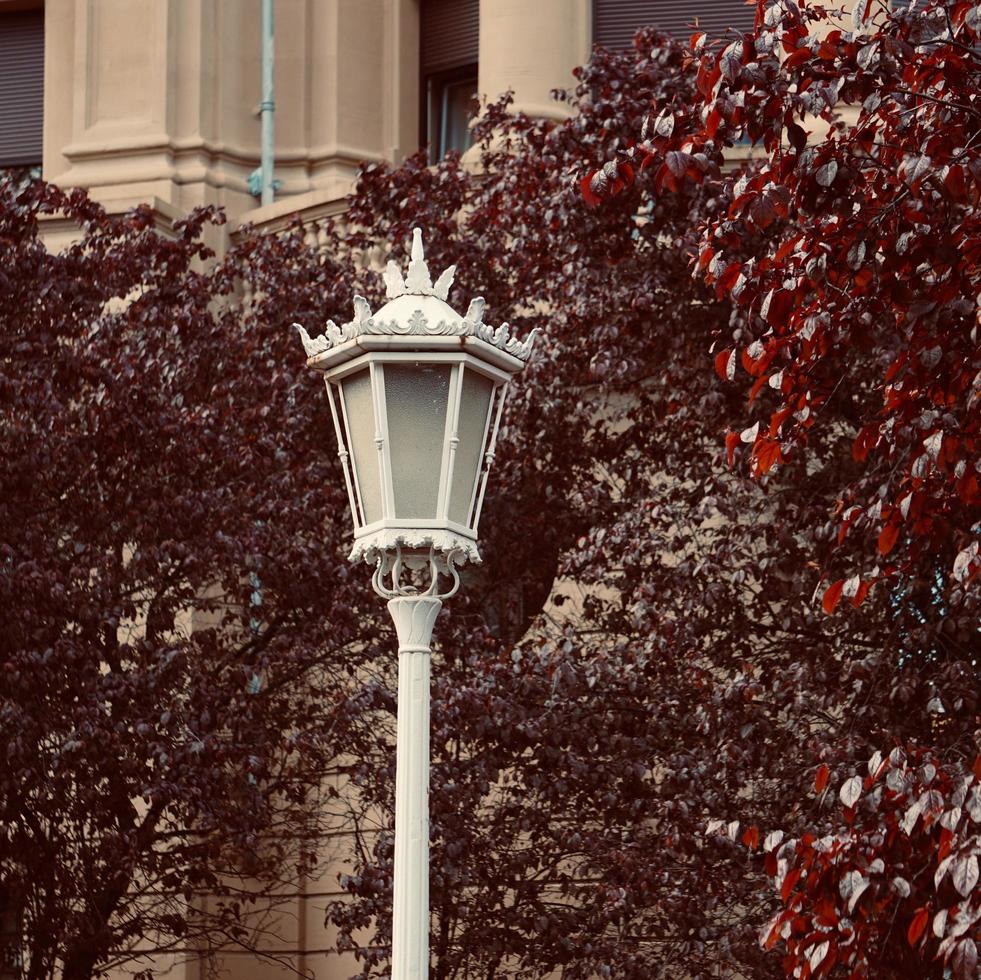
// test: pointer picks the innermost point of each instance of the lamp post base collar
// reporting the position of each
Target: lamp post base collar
(414, 617)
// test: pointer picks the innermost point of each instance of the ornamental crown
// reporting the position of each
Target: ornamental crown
(417, 307)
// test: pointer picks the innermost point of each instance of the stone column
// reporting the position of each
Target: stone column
(532, 48)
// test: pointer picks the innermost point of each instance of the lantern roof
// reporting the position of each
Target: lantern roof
(417, 313)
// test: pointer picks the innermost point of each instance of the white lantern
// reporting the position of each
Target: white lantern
(416, 393)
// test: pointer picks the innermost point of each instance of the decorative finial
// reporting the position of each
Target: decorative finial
(312, 345)
(475, 311)
(442, 287)
(394, 283)
(417, 280)
(362, 311)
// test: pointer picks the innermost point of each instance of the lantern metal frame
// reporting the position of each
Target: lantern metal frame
(389, 530)
(415, 327)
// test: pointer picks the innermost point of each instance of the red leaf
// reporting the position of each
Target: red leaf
(798, 57)
(732, 440)
(894, 368)
(770, 863)
(712, 123)
(831, 596)
(781, 303)
(768, 453)
(946, 836)
(917, 926)
(777, 419)
(760, 382)
(955, 183)
(773, 936)
(751, 837)
(749, 365)
(728, 278)
(829, 47)
(725, 365)
(786, 248)
(788, 884)
(587, 190)
(664, 178)
(887, 538)
(864, 441)
(708, 74)
(863, 591)
(825, 912)
(791, 36)
(821, 778)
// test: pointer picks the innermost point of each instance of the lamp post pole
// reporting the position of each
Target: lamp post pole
(414, 617)
(416, 393)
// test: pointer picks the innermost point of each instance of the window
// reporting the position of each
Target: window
(615, 21)
(22, 85)
(449, 97)
(449, 31)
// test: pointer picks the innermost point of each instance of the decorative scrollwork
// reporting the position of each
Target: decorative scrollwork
(400, 568)
(417, 324)
(370, 547)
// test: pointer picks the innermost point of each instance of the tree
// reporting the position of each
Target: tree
(855, 316)
(910, 846)
(162, 461)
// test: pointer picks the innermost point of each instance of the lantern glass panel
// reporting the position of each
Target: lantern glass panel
(416, 398)
(360, 415)
(475, 399)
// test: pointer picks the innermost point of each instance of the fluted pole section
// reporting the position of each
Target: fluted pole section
(414, 617)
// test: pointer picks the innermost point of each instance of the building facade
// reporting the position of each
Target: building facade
(156, 101)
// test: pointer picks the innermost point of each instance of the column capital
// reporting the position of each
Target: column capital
(414, 617)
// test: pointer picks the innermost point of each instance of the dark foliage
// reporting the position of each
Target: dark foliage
(850, 255)
(173, 597)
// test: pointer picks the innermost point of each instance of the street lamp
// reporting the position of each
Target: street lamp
(416, 394)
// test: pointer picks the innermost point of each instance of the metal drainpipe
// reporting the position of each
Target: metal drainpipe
(267, 108)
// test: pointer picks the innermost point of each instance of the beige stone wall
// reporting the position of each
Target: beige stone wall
(155, 100)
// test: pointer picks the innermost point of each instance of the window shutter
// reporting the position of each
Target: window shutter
(615, 21)
(22, 87)
(449, 30)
